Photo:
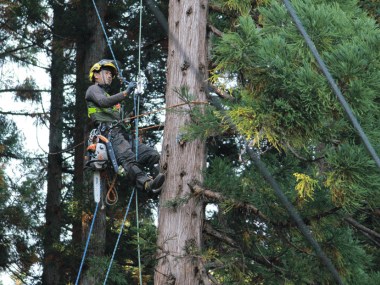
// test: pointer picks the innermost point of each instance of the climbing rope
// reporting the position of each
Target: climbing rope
(88, 239)
(118, 238)
(104, 30)
(111, 190)
(136, 112)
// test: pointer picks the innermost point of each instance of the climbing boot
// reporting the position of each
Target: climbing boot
(155, 185)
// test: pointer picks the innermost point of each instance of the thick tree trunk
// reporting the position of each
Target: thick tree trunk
(92, 50)
(52, 260)
(79, 136)
(180, 229)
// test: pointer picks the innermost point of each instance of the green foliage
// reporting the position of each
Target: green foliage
(177, 202)
(296, 125)
(10, 140)
(206, 123)
(25, 91)
(306, 185)
(99, 266)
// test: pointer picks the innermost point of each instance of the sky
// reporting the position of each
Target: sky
(11, 76)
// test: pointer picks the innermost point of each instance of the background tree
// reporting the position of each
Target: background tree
(73, 208)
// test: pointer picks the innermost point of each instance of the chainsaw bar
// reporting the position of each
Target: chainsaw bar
(97, 186)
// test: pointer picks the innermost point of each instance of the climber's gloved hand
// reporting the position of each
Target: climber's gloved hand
(131, 86)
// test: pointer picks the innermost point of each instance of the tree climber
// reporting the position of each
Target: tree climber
(105, 115)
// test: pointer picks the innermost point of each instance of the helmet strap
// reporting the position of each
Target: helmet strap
(104, 80)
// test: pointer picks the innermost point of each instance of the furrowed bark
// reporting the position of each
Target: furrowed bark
(180, 229)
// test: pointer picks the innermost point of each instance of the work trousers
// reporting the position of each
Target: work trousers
(126, 156)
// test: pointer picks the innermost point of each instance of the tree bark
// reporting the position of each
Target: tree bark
(52, 259)
(180, 229)
(79, 133)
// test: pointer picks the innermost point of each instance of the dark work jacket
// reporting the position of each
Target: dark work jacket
(104, 104)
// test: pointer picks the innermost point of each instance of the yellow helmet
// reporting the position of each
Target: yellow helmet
(104, 63)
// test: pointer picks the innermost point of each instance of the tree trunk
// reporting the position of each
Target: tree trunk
(180, 229)
(79, 135)
(52, 260)
(93, 48)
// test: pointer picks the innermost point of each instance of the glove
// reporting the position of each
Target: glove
(131, 86)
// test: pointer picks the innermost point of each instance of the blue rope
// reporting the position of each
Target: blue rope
(126, 213)
(118, 238)
(104, 30)
(88, 241)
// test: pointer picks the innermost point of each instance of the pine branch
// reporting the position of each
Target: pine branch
(209, 229)
(16, 49)
(293, 245)
(30, 63)
(24, 90)
(147, 45)
(221, 93)
(370, 238)
(216, 8)
(23, 114)
(359, 226)
(203, 272)
(215, 30)
(301, 157)
(267, 261)
(307, 220)
(215, 265)
(24, 37)
(212, 278)
(9, 156)
(216, 196)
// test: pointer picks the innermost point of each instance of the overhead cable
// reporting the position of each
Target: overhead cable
(332, 83)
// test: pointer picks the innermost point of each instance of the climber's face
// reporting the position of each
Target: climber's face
(103, 77)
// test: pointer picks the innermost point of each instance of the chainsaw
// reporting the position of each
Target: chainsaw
(100, 156)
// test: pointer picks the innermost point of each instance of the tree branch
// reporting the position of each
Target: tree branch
(361, 227)
(267, 261)
(23, 114)
(370, 238)
(30, 63)
(147, 45)
(221, 93)
(215, 30)
(306, 220)
(17, 49)
(216, 8)
(203, 273)
(24, 90)
(216, 196)
(209, 229)
(302, 158)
